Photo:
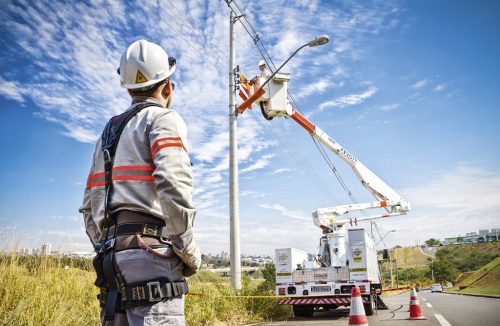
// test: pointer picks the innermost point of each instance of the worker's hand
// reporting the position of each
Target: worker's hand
(188, 251)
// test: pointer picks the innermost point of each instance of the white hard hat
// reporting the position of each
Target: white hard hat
(262, 63)
(144, 64)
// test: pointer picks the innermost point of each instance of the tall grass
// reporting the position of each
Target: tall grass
(46, 291)
(50, 291)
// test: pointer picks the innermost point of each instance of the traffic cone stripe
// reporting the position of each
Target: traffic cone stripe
(415, 310)
(358, 320)
(357, 315)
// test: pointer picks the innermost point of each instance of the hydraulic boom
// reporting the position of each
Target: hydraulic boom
(276, 105)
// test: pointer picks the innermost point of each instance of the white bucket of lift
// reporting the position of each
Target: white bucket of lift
(275, 98)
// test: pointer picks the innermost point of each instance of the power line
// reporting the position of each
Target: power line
(206, 55)
(316, 180)
(184, 20)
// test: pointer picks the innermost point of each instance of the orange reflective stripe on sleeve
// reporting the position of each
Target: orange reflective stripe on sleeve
(134, 168)
(166, 142)
(124, 172)
(134, 177)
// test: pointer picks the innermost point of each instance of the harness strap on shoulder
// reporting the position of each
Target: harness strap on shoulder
(109, 142)
(113, 282)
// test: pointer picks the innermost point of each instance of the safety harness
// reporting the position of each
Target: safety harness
(115, 294)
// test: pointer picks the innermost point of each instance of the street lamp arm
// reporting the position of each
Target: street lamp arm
(384, 237)
(284, 63)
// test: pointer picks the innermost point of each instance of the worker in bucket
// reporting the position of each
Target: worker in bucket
(264, 73)
(137, 204)
(263, 69)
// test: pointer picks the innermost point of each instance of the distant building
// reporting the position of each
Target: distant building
(474, 237)
(46, 247)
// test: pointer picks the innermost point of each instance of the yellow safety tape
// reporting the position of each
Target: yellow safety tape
(265, 296)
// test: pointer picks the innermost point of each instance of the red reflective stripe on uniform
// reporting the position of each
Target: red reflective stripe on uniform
(122, 177)
(165, 139)
(134, 177)
(123, 168)
(134, 168)
(167, 145)
(95, 184)
(96, 175)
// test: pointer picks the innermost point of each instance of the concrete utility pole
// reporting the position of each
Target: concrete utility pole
(234, 205)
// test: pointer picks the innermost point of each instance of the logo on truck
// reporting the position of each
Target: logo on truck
(283, 259)
(320, 275)
(348, 156)
(357, 255)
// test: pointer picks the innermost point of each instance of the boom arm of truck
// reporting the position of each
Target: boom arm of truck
(278, 106)
(386, 197)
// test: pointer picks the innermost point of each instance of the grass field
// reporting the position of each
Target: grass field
(47, 291)
(409, 257)
(486, 280)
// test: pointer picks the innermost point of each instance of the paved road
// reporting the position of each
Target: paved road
(429, 251)
(440, 310)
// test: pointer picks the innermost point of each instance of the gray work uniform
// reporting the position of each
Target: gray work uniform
(151, 174)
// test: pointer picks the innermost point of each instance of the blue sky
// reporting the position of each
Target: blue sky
(409, 87)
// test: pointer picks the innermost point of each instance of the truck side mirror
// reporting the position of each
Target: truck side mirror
(385, 254)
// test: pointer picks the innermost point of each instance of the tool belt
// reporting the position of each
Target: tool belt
(115, 294)
(122, 235)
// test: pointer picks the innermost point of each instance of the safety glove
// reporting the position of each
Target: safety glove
(188, 251)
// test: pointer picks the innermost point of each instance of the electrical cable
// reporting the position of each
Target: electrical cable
(179, 15)
(205, 55)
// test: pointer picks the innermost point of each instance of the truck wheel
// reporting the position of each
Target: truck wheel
(303, 310)
(369, 306)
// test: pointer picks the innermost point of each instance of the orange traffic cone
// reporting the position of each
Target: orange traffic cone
(415, 310)
(357, 316)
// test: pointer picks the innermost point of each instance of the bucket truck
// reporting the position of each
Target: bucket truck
(347, 256)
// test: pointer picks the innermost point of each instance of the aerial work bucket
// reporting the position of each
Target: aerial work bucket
(275, 100)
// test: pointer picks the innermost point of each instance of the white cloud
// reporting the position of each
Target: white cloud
(287, 212)
(452, 202)
(439, 87)
(315, 88)
(12, 90)
(351, 99)
(465, 190)
(259, 164)
(421, 83)
(389, 107)
(282, 170)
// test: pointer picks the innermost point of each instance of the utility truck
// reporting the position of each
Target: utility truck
(347, 256)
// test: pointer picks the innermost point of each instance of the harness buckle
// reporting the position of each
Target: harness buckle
(109, 244)
(150, 229)
(99, 248)
(154, 296)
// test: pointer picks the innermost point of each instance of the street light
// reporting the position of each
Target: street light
(390, 259)
(323, 39)
(384, 237)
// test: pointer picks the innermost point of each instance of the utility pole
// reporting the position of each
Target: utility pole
(390, 264)
(234, 205)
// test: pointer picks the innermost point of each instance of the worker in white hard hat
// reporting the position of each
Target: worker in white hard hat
(263, 69)
(264, 73)
(137, 205)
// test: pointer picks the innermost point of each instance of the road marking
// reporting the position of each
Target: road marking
(424, 299)
(441, 320)
(428, 305)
